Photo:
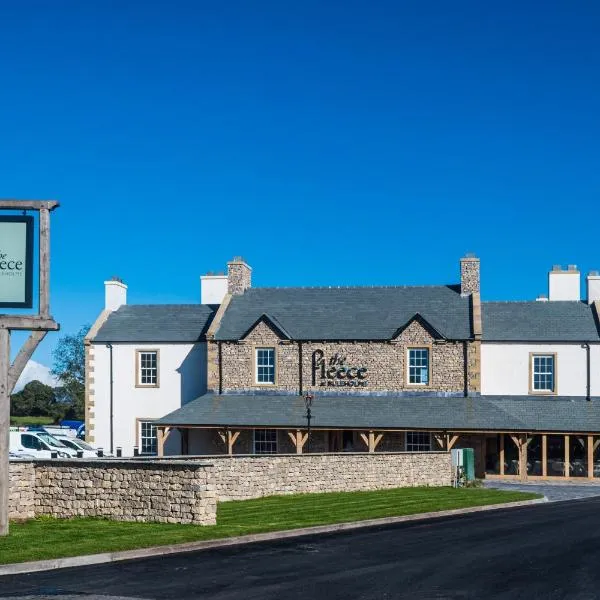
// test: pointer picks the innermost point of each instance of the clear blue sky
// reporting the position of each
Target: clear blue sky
(329, 143)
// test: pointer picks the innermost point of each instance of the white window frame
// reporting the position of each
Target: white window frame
(140, 368)
(420, 445)
(426, 349)
(543, 372)
(265, 445)
(272, 364)
(143, 437)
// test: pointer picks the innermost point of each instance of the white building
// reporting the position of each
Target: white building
(143, 361)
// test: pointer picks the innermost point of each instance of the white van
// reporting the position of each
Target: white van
(39, 444)
(78, 445)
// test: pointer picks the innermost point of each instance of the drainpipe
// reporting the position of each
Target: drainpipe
(220, 351)
(110, 348)
(588, 392)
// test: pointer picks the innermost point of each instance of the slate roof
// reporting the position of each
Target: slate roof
(557, 321)
(352, 313)
(492, 413)
(157, 323)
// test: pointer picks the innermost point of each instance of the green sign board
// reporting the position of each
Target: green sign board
(16, 262)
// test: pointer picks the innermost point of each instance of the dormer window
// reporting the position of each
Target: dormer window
(418, 366)
(265, 366)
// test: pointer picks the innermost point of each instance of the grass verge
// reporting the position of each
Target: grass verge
(45, 538)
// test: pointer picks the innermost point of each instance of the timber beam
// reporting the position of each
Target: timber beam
(28, 323)
(29, 204)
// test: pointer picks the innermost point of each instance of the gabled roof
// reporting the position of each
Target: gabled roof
(423, 322)
(157, 323)
(271, 322)
(483, 413)
(353, 313)
(556, 321)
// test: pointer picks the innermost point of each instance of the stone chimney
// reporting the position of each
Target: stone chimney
(115, 294)
(469, 275)
(564, 284)
(593, 287)
(239, 276)
(213, 288)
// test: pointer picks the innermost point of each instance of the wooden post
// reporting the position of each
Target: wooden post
(501, 454)
(590, 456)
(44, 263)
(298, 439)
(229, 438)
(567, 456)
(4, 428)
(160, 441)
(38, 324)
(544, 455)
(451, 441)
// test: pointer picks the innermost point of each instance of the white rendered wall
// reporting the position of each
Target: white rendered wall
(505, 368)
(182, 378)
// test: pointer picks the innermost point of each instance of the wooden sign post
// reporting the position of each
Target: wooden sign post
(16, 271)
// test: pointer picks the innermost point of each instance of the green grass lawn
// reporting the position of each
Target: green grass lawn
(52, 538)
(24, 421)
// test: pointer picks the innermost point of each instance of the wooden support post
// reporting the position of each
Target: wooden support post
(4, 428)
(567, 455)
(298, 439)
(544, 455)
(365, 439)
(160, 441)
(451, 441)
(44, 263)
(229, 438)
(590, 456)
(439, 438)
(523, 457)
(501, 454)
(26, 352)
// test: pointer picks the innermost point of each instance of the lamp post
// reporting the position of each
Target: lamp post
(308, 402)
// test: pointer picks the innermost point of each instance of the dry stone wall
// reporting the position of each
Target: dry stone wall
(21, 491)
(243, 477)
(385, 363)
(160, 491)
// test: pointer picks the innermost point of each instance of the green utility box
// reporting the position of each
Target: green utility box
(469, 463)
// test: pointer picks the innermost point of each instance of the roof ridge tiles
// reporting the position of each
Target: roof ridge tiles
(351, 287)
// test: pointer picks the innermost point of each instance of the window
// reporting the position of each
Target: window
(265, 441)
(418, 366)
(265, 365)
(147, 367)
(31, 442)
(542, 376)
(148, 443)
(418, 441)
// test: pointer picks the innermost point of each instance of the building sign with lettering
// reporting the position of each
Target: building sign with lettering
(334, 372)
(16, 262)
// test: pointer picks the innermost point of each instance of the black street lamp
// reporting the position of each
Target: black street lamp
(308, 402)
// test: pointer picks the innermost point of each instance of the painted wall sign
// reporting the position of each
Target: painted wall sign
(335, 373)
(16, 262)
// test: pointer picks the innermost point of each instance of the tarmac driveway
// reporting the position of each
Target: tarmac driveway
(554, 491)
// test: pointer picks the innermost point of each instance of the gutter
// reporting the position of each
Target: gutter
(110, 347)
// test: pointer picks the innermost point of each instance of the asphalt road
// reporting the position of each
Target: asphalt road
(546, 551)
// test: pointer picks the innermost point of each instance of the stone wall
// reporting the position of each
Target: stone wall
(21, 491)
(243, 477)
(124, 490)
(385, 363)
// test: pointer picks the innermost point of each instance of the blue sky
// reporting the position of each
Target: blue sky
(329, 143)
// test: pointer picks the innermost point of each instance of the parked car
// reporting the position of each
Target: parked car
(77, 444)
(12, 455)
(39, 444)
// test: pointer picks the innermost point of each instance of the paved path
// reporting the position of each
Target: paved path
(549, 551)
(555, 492)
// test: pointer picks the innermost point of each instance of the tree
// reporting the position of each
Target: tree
(69, 367)
(36, 399)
